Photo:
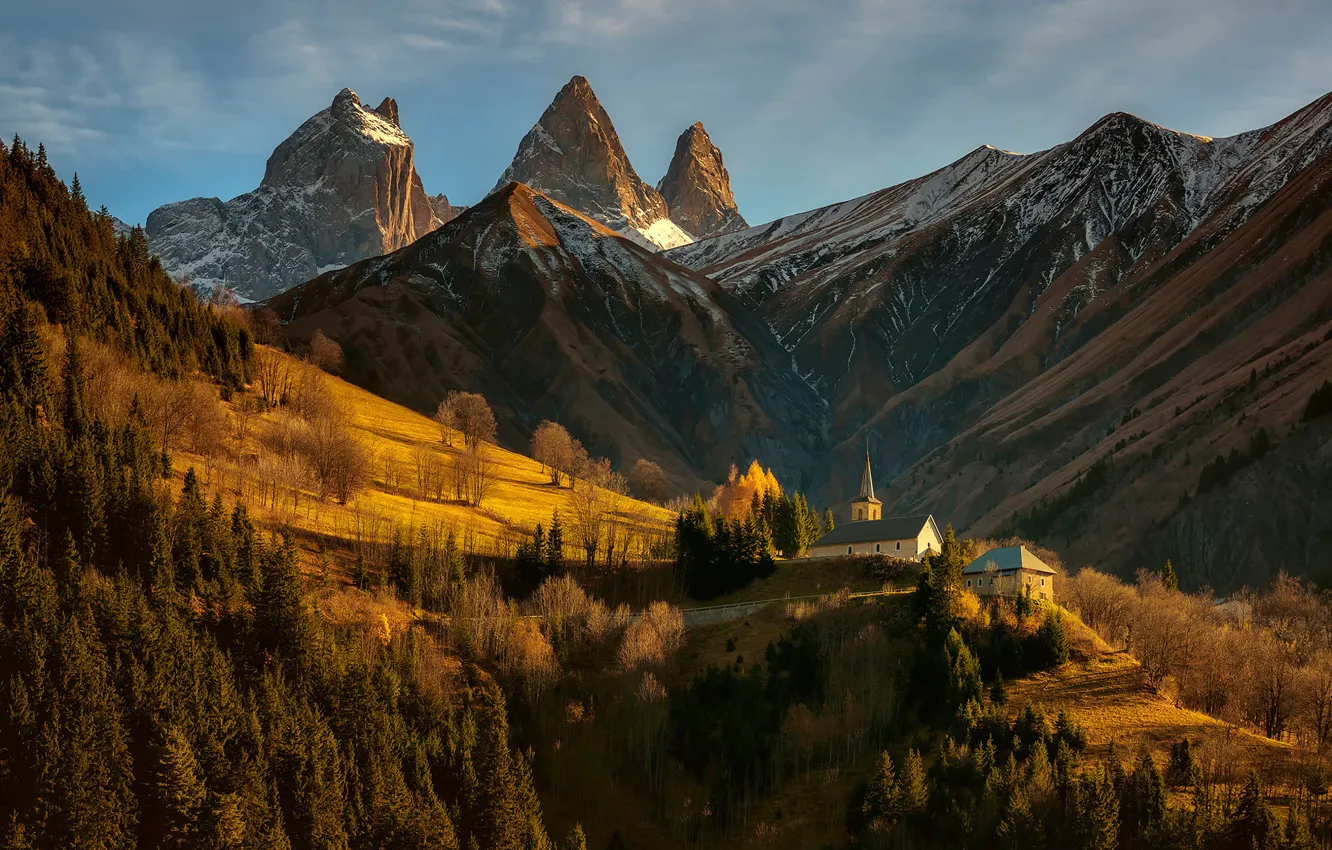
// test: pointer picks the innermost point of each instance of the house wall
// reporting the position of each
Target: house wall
(1041, 584)
(928, 541)
(906, 548)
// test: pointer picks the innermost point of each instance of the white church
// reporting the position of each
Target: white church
(868, 533)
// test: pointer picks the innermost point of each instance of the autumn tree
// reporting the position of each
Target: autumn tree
(470, 414)
(325, 353)
(553, 448)
(647, 481)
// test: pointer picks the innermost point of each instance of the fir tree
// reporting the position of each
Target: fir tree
(915, 793)
(180, 790)
(576, 840)
(555, 547)
(1168, 579)
(883, 798)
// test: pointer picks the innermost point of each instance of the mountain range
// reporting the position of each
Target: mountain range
(1058, 344)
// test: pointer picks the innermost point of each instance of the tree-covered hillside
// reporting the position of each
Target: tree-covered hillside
(162, 683)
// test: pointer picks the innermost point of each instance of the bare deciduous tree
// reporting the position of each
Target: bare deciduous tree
(648, 481)
(478, 475)
(468, 413)
(272, 373)
(265, 326)
(553, 447)
(653, 638)
(325, 353)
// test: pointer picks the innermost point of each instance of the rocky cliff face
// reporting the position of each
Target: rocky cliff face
(574, 155)
(1057, 343)
(341, 188)
(552, 315)
(697, 189)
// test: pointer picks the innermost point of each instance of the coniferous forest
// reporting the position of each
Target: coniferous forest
(161, 684)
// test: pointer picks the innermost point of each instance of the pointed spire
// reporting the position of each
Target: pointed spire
(867, 479)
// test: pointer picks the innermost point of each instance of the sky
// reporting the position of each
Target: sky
(810, 101)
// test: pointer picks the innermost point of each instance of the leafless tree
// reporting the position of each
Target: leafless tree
(653, 638)
(206, 423)
(244, 409)
(325, 353)
(647, 481)
(478, 473)
(265, 326)
(272, 373)
(553, 447)
(446, 416)
(169, 405)
(475, 419)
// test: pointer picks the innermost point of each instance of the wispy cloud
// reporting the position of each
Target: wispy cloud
(811, 102)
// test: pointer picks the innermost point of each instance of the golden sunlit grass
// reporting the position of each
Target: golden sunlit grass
(1107, 694)
(398, 440)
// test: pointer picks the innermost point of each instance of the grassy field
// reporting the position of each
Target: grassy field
(1106, 692)
(398, 439)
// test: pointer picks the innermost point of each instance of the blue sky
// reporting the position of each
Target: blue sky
(811, 102)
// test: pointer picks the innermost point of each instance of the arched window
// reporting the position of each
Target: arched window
(848, 550)
(899, 544)
(876, 547)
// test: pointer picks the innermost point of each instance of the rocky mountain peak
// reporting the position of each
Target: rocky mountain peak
(574, 155)
(345, 98)
(697, 187)
(341, 188)
(389, 109)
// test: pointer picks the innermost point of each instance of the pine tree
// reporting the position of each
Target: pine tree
(915, 792)
(883, 798)
(828, 524)
(1143, 799)
(1095, 816)
(1168, 579)
(180, 790)
(1298, 836)
(555, 547)
(498, 822)
(576, 840)
(279, 613)
(1253, 825)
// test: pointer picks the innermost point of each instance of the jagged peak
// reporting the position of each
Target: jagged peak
(389, 109)
(344, 98)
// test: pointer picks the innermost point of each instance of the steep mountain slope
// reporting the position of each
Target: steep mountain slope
(697, 188)
(988, 324)
(574, 155)
(341, 188)
(551, 315)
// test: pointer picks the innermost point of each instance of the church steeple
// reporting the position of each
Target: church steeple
(867, 478)
(865, 506)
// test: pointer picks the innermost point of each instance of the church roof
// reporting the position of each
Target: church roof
(866, 482)
(864, 531)
(1007, 560)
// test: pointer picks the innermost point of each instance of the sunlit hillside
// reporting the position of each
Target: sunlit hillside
(403, 446)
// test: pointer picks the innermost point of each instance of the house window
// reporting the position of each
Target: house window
(848, 550)
(899, 544)
(1042, 581)
(876, 547)
(968, 582)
